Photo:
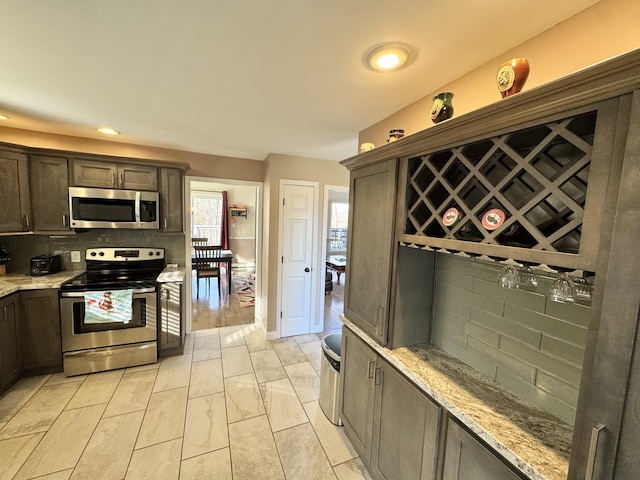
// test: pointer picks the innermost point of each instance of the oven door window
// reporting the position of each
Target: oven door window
(138, 318)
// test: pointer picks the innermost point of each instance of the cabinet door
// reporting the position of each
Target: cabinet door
(171, 199)
(40, 338)
(171, 329)
(9, 342)
(372, 196)
(93, 173)
(466, 459)
(137, 177)
(14, 193)
(357, 368)
(49, 193)
(405, 426)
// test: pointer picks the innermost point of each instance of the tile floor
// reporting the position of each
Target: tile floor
(234, 406)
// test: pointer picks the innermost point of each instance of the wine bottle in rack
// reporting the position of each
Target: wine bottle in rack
(515, 235)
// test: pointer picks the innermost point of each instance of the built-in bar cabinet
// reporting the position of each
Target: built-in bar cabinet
(546, 180)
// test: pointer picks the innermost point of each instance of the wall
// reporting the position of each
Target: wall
(278, 167)
(532, 346)
(607, 29)
(202, 165)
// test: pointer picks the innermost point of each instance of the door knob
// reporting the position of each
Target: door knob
(307, 269)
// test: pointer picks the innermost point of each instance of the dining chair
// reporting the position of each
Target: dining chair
(199, 241)
(206, 264)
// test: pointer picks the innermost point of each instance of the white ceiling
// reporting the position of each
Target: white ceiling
(242, 78)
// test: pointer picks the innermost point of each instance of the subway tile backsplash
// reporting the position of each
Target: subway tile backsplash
(530, 345)
(23, 247)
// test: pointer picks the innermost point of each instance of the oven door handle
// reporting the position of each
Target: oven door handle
(81, 294)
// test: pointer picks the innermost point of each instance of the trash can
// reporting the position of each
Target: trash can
(330, 382)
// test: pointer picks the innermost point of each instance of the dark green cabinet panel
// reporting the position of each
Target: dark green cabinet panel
(372, 204)
(466, 459)
(171, 330)
(393, 427)
(49, 193)
(358, 365)
(15, 208)
(406, 426)
(171, 199)
(95, 173)
(40, 340)
(9, 342)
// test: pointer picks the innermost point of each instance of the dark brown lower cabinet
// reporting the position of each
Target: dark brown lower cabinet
(9, 347)
(392, 425)
(40, 340)
(466, 459)
(357, 368)
(171, 330)
(405, 428)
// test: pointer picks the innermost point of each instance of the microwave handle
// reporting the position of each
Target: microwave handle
(137, 207)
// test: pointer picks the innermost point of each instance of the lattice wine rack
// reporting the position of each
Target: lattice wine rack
(535, 178)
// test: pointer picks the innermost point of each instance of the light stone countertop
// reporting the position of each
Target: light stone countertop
(534, 442)
(14, 282)
(172, 274)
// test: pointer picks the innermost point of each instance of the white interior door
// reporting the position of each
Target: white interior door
(297, 258)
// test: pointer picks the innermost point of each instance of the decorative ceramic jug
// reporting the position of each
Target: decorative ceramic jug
(395, 134)
(442, 108)
(512, 75)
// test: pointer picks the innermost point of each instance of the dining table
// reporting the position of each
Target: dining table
(226, 257)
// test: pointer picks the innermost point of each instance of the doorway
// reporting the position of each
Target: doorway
(207, 217)
(334, 226)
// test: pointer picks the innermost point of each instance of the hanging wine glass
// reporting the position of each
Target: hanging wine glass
(563, 290)
(509, 277)
(527, 276)
(584, 289)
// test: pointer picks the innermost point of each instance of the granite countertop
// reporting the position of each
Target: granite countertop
(533, 441)
(14, 282)
(172, 274)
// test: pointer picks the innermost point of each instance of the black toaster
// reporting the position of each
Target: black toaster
(45, 265)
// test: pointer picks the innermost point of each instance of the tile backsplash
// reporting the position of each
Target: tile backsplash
(532, 346)
(23, 247)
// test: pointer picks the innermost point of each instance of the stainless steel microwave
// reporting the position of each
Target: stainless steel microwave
(110, 208)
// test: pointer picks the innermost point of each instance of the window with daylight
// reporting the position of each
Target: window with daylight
(339, 220)
(206, 216)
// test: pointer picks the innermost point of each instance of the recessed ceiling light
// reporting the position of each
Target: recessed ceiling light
(3, 117)
(388, 57)
(108, 131)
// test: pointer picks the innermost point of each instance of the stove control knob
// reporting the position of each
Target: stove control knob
(151, 254)
(157, 254)
(93, 254)
(101, 254)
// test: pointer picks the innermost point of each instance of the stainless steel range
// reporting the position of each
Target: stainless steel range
(108, 315)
